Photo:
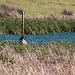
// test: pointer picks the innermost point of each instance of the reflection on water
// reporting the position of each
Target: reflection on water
(40, 39)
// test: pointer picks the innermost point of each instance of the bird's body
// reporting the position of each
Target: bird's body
(23, 41)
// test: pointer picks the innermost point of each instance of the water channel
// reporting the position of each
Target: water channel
(40, 39)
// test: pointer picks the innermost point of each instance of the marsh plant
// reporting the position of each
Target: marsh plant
(36, 26)
(46, 59)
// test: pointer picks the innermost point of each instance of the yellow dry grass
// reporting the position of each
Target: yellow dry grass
(41, 7)
(27, 63)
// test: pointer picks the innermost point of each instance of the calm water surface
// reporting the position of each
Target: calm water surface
(40, 39)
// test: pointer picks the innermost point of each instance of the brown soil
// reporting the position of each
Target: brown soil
(6, 11)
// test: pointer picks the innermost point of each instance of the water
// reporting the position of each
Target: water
(40, 39)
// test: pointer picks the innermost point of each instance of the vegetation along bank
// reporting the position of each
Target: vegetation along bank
(47, 59)
(35, 26)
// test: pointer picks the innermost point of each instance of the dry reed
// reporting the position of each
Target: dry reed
(60, 62)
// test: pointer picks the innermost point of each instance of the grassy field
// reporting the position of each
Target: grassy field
(35, 26)
(46, 59)
(35, 8)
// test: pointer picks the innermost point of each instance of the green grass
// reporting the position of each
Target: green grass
(5, 59)
(35, 26)
(43, 49)
(36, 8)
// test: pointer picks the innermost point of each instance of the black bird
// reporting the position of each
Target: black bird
(21, 38)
